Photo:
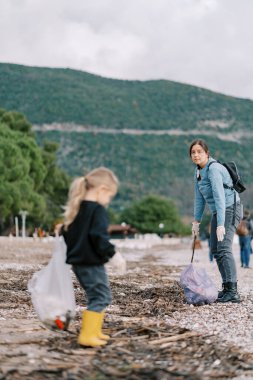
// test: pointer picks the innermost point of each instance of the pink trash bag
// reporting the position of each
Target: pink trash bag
(198, 287)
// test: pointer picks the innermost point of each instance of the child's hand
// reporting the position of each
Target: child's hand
(57, 228)
(118, 264)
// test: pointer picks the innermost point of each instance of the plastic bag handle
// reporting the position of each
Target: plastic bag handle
(193, 247)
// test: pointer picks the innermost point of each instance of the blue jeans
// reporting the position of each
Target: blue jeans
(222, 250)
(210, 253)
(245, 250)
(94, 281)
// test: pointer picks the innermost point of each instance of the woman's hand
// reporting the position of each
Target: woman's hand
(220, 232)
(195, 228)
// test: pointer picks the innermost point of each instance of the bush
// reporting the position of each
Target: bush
(154, 214)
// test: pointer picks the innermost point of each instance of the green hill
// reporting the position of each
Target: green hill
(47, 95)
(148, 163)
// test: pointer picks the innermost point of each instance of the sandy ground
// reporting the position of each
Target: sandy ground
(155, 334)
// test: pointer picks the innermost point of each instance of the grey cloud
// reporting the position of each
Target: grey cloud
(202, 42)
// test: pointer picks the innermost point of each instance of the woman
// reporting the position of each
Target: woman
(213, 185)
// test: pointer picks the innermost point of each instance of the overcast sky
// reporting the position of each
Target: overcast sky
(208, 43)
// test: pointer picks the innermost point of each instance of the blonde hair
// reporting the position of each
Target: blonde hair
(79, 187)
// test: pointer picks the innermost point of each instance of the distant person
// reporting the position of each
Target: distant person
(245, 232)
(88, 247)
(40, 233)
(35, 233)
(213, 185)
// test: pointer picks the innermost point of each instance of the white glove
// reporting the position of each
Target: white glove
(195, 228)
(118, 264)
(220, 232)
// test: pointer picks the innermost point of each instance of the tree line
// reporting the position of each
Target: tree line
(29, 176)
(31, 180)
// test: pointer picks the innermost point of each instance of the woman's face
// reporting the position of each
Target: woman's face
(199, 155)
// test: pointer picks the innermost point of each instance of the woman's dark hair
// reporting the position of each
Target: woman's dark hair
(201, 143)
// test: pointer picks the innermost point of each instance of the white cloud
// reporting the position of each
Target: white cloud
(203, 42)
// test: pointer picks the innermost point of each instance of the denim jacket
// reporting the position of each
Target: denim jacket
(209, 189)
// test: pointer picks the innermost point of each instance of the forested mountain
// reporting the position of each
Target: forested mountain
(47, 95)
(145, 163)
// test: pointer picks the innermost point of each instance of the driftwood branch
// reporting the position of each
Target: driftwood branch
(175, 338)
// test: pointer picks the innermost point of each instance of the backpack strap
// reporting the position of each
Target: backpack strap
(224, 184)
(226, 187)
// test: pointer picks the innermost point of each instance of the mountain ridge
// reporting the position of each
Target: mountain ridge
(141, 130)
(48, 95)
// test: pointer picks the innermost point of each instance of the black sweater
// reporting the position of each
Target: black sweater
(87, 238)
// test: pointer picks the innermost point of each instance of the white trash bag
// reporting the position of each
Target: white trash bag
(52, 291)
(117, 264)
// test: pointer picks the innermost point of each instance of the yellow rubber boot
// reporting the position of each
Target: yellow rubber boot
(100, 334)
(90, 329)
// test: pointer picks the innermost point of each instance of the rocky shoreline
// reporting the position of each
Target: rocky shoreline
(154, 333)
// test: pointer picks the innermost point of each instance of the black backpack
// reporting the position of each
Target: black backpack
(231, 167)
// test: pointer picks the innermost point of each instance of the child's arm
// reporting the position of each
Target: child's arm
(99, 235)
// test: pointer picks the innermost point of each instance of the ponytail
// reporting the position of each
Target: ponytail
(77, 193)
(79, 187)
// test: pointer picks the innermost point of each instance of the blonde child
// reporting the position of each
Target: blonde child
(88, 247)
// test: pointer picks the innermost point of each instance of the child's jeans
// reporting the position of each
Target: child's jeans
(94, 281)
